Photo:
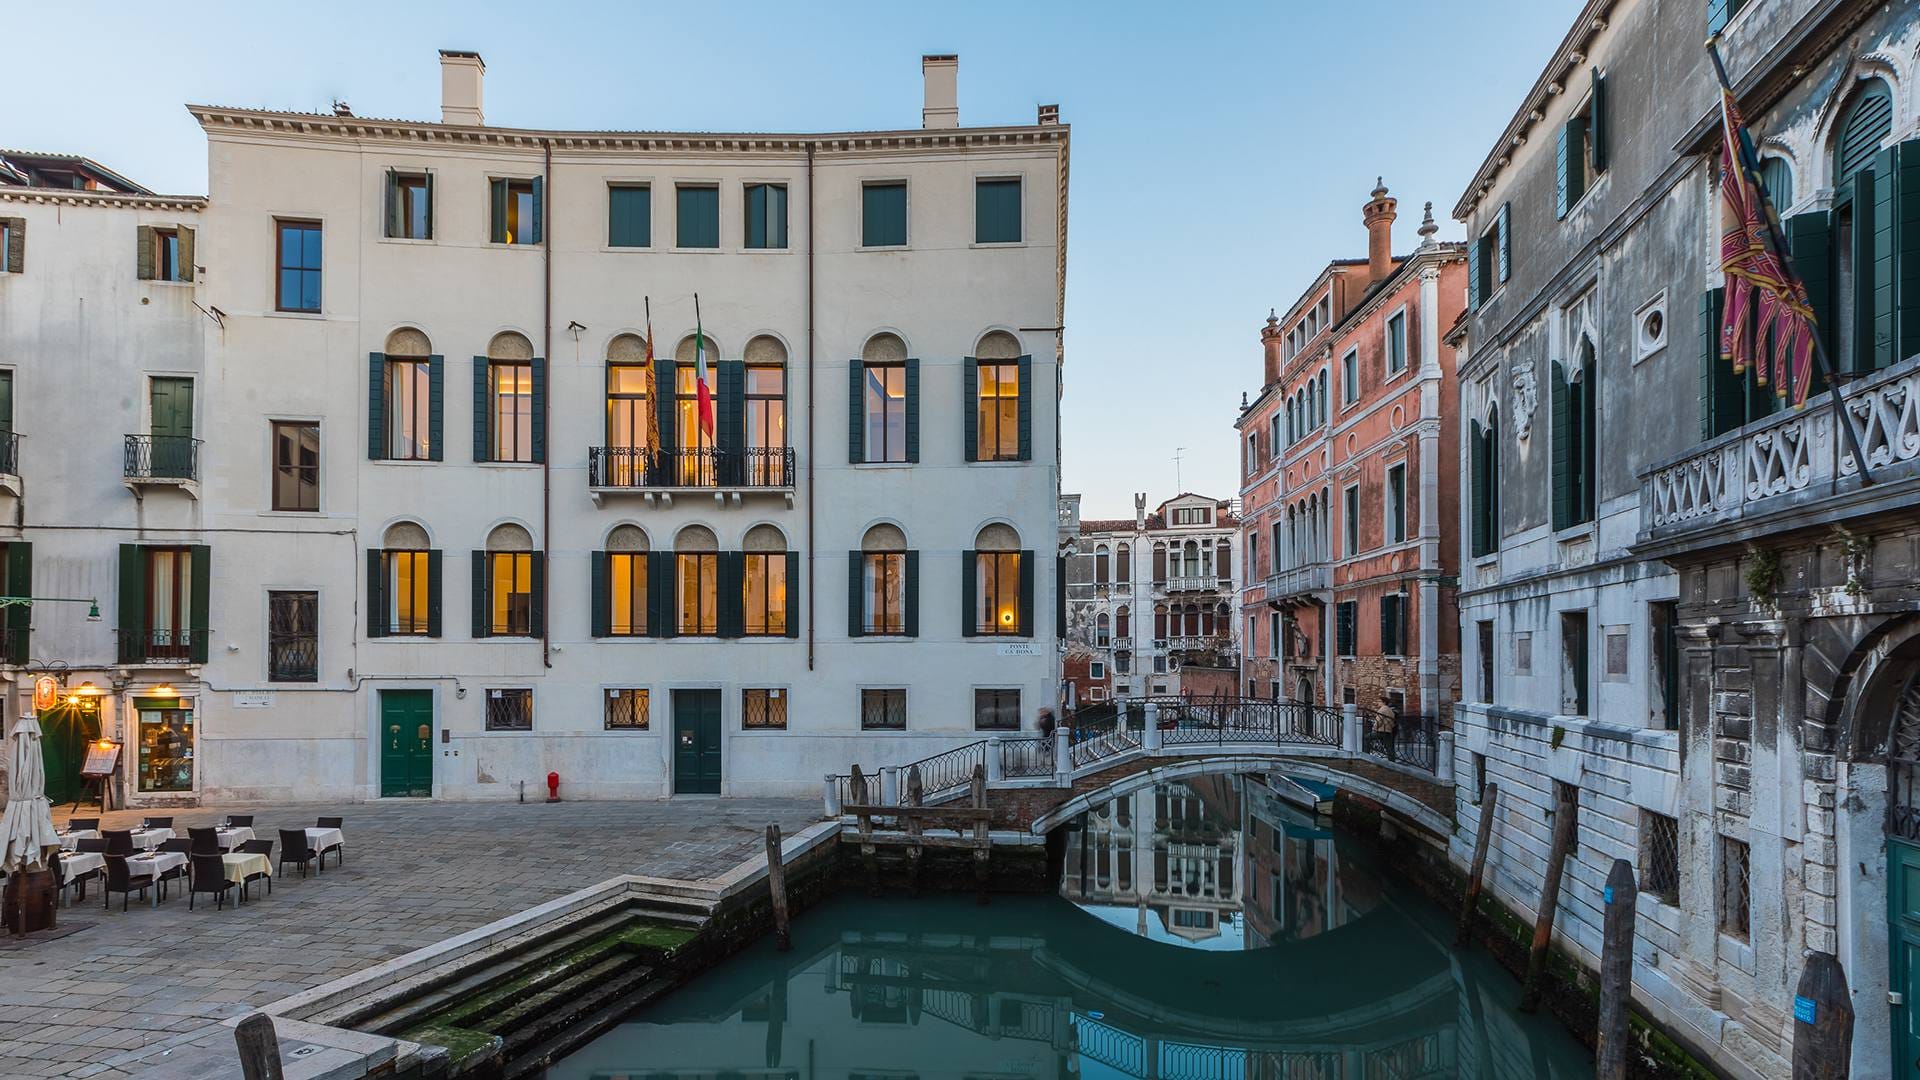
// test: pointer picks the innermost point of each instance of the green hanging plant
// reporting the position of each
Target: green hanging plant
(1763, 576)
(1855, 547)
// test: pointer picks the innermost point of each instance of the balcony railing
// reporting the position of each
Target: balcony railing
(639, 468)
(1305, 578)
(1199, 643)
(9, 453)
(1788, 460)
(166, 459)
(161, 646)
(1193, 583)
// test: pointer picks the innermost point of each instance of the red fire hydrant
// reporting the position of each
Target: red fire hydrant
(553, 787)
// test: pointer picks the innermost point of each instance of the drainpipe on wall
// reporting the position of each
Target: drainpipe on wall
(546, 399)
(1429, 668)
(812, 554)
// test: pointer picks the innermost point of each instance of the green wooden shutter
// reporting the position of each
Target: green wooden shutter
(19, 616)
(393, 203)
(1506, 241)
(856, 595)
(1882, 259)
(601, 600)
(1718, 12)
(1562, 458)
(910, 589)
(856, 412)
(1905, 170)
(376, 406)
(969, 592)
(482, 437)
(1563, 181)
(433, 593)
(1473, 278)
(793, 594)
(729, 422)
(539, 418)
(1810, 240)
(660, 595)
(970, 406)
(131, 616)
(730, 591)
(1597, 132)
(1723, 393)
(664, 414)
(1493, 484)
(200, 594)
(1477, 478)
(429, 235)
(376, 593)
(1060, 596)
(539, 209)
(1869, 121)
(1388, 647)
(436, 407)
(1026, 408)
(499, 198)
(537, 586)
(186, 253)
(143, 252)
(481, 625)
(913, 409)
(1026, 594)
(16, 245)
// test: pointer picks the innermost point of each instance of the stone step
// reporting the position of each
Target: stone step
(531, 1060)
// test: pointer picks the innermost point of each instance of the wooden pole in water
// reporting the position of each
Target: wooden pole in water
(1622, 899)
(1482, 835)
(1822, 1021)
(259, 1048)
(916, 796)
(777, 888)
(1563, 822)
(982, 843)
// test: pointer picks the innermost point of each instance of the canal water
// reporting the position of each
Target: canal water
(1205, 930)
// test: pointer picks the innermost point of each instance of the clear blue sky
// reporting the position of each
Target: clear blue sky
(1221, 152)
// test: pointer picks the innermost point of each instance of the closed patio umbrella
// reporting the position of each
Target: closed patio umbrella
(26, 831)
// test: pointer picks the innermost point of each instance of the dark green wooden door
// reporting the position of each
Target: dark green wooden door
(696, 742)
(406, 743)
(65, 732)
(172, 427)
(1903, 927)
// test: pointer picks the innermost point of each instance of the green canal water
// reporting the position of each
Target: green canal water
(1204, 930)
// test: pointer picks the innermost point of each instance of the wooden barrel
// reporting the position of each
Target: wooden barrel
(40, 892)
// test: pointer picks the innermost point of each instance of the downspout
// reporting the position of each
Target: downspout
(546, 399)
(813, 557)
(1429, 443)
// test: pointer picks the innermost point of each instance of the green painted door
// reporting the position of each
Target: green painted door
(696, 742)
(406, 743)
(65, 732)
(172, 427)
(1903, 926)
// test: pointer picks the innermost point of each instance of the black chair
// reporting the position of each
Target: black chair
(120, 880)
(330, 823)
(183, 846)
(179, 843)
(91, 843)
(259, 847)
(81, 824)
(295, 849)
(156, 823)
(240, 821)
(209, 876)
(205, 841)
(119, 841)
(339, 850)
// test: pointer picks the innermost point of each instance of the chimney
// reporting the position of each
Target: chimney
(460, 76)
(1049, 116)
(1140, 510)
(1272, 339)
(1379, 215)
(941, 76)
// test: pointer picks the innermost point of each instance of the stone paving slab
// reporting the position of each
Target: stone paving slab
(125, 986)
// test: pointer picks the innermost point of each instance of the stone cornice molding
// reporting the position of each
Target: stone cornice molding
(67, 197)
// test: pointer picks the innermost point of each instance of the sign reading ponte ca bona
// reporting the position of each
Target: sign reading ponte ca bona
(1019, 648)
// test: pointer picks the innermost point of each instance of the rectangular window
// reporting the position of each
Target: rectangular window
(409, 206)
(1574, 158)
(1523, 653)
(6, 246)
(1393, 624)
(1123, 663)
(697, 214)
(1346, 626)
(886, 412)
(696, 470)
(883, 710)
(766, 425)
(766, 215)
(1660, 856)
(627, 584)
(1614, 648)
(166, 255)
(166, 744)
(1159, 668)
(407, 583)
(297, 258)
(1097, 669)
(883, 215)
(629, 215)
(1479, 778)
(1397, 343)
(997, 605)
(169, 603)
(510, 593)
(1397, 504)
(1663, 626)
(628, 410)
(1350, 522)
(885, 576)
(1485, 646)
(1350, 377)
(1489, 269)
(997, 710)
(293, 637)
(510, 710)
(999, 412)
(627, 709)
(296, 465)
(1573, 663)
(763, 709)
(1735, 915)
(996, 211)
(409, 409)
(510, 403)
(519, 208)
(766, 599)
(696, 587)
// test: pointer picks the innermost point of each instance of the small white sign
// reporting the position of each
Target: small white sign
(1019, 648)
(260, 700)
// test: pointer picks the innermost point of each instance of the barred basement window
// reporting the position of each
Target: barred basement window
(998, 710)
(883, 710)
(627, 709)
(764, 709)
(293, 636)
(510, 710)
(1734, 909)
(1660, 856)
(1479, 778)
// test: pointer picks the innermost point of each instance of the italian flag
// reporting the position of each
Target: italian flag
(702, 384)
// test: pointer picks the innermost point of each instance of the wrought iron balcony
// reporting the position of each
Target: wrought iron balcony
(161, 646)
(1300, 580)
(162, 461)
(10, 462)
(659, 473)
(1795, 462)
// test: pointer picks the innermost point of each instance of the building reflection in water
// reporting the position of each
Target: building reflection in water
(1230, 940)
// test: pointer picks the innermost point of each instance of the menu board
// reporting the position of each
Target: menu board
(102, 759)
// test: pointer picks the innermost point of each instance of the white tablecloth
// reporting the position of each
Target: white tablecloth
(242, 866)
(322, 839)
(155, 864)
(75, 865)
(233, 838)
(148, 839)
(72, 839)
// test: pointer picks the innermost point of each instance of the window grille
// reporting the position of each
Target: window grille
(1660, 856)
(510, 710)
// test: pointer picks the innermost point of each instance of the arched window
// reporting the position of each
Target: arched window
(409, 578)
(1484, 482)
(512, 372)
(1206, 621)
(1159, 563)
(1777, 173)
(1313, 405)
(1189, 560)
(1573, 437)
(996, 424)
(886, 399)
(1864, 126)
(694, 463)
(1102, 631)
(1290, 421)
(1223, 561)
(997, 345)
(1324, 411)
(767, 594)
(885, 570)
(1001, 583)
(512, 585)
(1122, 622)
(1160, 621)
(407, 396)
(766, 412)
(622, 462)
(696, 565)
(1123, 562)
(623, 580)
(1192, 612)
(1101, 558)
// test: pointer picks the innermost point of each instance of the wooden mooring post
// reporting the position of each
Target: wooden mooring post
(1822, 1021)
(777, 889)
(982, 844)
(259, 1048)
(869, 856)
(1481, 836)
(1565, 815)
(916, 796)
(1621, 898)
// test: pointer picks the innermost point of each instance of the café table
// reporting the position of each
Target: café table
(148, 839)
(324, 840)
(76, 865)
(71, 840)
(231, 838)
(243, 865)
(153, 865)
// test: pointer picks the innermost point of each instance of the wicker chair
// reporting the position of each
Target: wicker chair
(119, 841)
(205, 841)
(209, 875)
(296, 849)
(120, 880)
(339, 850)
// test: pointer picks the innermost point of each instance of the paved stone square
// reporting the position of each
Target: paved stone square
(126, 985)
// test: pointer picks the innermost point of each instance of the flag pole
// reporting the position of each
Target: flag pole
(1771, 219)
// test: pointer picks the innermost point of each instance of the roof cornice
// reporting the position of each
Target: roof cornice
(71, 197)
(215, 118)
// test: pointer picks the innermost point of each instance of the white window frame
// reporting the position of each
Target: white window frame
(1386, 345)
